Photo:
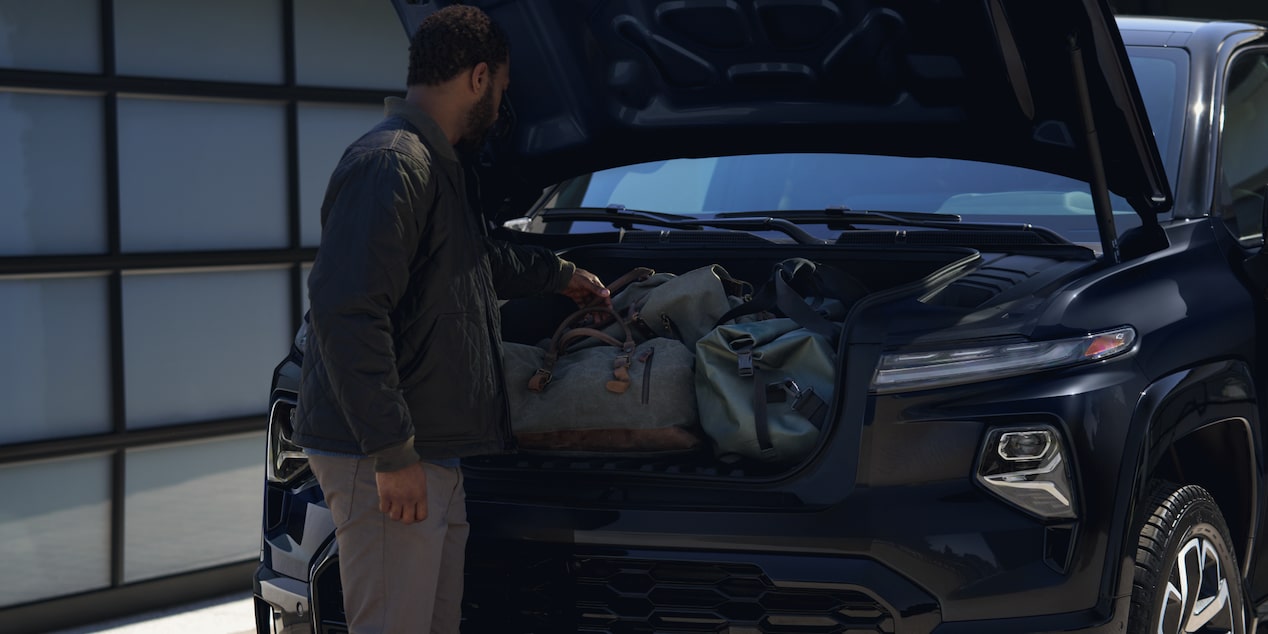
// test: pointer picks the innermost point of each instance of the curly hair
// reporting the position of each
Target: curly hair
(454, 39)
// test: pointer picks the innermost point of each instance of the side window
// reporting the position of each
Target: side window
(1244, 147)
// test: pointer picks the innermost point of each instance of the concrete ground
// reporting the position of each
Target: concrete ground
(230, 614)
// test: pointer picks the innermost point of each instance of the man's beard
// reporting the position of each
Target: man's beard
(480, 120)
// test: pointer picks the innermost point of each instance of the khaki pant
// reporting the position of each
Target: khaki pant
(397, 578)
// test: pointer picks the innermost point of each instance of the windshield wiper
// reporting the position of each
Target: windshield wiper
(846, 218)
(624, 218)
(847, 215)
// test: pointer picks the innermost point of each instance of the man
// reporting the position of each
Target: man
(402, 370)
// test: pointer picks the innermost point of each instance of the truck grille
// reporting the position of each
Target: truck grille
(614, 595)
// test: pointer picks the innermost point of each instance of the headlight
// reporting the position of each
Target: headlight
(937, 368)
(1028, 467)
(286, 460)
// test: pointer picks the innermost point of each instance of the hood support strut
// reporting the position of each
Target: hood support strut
(1100, 185)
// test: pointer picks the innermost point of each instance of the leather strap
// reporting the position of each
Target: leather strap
(564, 335)
(567, 322)
(581, 333)
(638, 274)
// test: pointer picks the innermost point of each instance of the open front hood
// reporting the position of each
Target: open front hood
(601, 83)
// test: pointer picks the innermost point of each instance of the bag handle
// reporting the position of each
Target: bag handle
(779, 292)
(732, 286)
(635, 275)
(565, 326)
(565, 335)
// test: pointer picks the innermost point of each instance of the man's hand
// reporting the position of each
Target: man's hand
(586, 289)
(403, 493)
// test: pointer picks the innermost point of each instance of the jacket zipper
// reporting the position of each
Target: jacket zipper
(647, 374)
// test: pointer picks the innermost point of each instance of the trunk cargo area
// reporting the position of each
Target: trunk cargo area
(530, 320)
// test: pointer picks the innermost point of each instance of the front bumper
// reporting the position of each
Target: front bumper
(282, 604)
(514, 587)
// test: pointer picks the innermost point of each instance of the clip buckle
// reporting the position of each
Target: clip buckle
(745, 360)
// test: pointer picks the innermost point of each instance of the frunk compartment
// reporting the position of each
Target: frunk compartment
(878, 268)
(530, 320)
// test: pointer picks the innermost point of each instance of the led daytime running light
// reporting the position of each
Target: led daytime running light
(937, 368)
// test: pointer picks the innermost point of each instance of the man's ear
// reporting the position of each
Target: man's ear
(480, 78)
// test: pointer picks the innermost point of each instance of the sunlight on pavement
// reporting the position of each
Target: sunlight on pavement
(231, 614)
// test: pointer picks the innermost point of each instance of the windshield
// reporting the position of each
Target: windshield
(978, 192)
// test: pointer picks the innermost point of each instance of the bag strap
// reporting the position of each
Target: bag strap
(560, 347)
(730, 285)
(566, 324)
(794, 280)
(637, 274)
(805, 402)
(761, 422)
(565, 335)
(763, 299)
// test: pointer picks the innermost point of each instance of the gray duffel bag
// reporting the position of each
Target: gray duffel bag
(614, 397)
(684, 307)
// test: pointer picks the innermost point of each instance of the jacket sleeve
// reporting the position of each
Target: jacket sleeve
(524, 270)
(369, 234)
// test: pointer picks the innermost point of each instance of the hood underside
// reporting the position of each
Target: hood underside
(602, 83)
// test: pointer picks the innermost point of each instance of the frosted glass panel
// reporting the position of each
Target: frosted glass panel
(60, 35)
(52, 185)
(202, 346)
(55, 369)
(222, 186)
(54, 528)
(192, 506)
(325, 131)
(226, 40)
(350, 45)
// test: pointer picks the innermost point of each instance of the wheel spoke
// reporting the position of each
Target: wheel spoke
(1197, 595)
(1190, 563)
(1208, 608)
(1211, 595)
(1172, 610)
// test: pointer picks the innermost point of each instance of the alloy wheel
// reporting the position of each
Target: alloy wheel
(1196, 598)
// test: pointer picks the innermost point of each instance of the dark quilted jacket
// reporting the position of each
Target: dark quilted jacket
(403, 358)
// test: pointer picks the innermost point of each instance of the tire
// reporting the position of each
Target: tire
(1187, 577)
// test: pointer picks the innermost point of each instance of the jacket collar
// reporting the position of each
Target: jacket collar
(426, 126)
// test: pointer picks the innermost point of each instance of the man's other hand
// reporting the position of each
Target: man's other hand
(403, 493)
(586, 290)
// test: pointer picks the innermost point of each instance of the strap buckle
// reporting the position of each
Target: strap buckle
(783, 390)
(745, 360)
(804, 402)
(539, 380)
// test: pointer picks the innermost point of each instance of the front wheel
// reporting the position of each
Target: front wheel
(1187, 578)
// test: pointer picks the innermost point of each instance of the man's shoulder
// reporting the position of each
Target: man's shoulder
(393, 139)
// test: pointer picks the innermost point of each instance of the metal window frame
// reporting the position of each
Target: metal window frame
(114, 263)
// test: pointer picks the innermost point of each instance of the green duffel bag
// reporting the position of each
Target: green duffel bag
(614, 397)
(684, 307)
(763, 388)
